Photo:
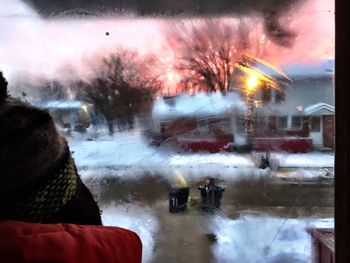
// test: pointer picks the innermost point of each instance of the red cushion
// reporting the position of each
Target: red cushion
(56, 243)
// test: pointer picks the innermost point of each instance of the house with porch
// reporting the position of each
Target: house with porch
(199, 122)
(293, 111)
(305, 108)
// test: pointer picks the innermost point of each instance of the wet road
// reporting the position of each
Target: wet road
(183, 236)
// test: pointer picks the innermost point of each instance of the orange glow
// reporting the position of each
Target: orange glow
(252, 83)
(255, 78)
(64, 48)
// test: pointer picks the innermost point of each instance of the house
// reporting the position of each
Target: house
(203, 121)
(70, 115)
(291, 110)
(305, 108)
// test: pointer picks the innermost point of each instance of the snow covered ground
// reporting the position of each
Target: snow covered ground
(251, 238)
(262, 238)
(129, 155)
(135, 217)
(305, 160)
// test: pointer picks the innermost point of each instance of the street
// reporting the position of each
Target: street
(188, 236)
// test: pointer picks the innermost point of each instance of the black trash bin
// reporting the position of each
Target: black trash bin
(211, 195)
(178, 197)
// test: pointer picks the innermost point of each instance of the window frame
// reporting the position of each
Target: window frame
(279, 96)
(278, 122)
(342, 138)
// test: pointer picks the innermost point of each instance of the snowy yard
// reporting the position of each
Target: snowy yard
(253, 236)
(262, 238)
(129, 155)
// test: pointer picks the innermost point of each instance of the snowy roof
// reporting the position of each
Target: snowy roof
(61, 104)
(323, 68)
(199, 105)
(264, 68)
(305, 93)
(320, 107)
(270, 71)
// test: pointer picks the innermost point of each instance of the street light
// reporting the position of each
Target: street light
(252, 83)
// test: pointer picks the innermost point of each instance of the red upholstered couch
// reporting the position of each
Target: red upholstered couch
(67, 243)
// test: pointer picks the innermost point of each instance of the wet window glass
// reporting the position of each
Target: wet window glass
(266, 95)
(207, 127)
(279, 96)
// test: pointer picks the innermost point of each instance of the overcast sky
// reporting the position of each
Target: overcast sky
(29, 42)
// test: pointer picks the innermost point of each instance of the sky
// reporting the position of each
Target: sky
(68, 47)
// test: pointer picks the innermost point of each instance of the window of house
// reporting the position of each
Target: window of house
(279, 96)
(297, 122)
(282, 123)
(266, 95)
(315, 123)
(165, 74)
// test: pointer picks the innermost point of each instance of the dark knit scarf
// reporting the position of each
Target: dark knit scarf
(3, 87)
(50, 195)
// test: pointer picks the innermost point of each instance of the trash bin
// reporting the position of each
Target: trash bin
(178, 197)
(265, 161)
(211, 195)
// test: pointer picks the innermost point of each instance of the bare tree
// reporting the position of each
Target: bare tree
(123, 86)
(208, 50)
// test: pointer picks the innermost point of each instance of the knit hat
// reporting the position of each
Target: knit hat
(37, 173)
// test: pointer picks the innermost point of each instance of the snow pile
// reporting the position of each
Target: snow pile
(128, 155)
(304, 160)
(61, 104)
(321, 173)
(138, 218)
(222, 158)
(255, 239)
(251, 238)
(125, 149)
